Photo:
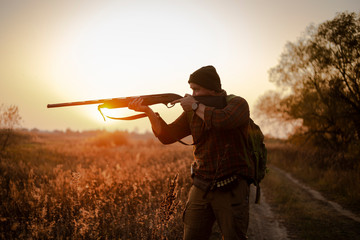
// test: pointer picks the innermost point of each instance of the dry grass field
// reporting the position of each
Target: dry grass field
(91, 186)
(101, 185)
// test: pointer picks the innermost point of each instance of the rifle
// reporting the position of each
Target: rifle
(165, 98)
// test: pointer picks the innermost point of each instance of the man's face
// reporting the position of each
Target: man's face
(201, 91)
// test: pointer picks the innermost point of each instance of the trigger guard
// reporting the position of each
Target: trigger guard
(170, 105)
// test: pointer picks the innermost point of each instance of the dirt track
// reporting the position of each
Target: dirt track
(318, 196)
(263, 224)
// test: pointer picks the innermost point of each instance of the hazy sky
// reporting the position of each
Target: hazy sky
(57, 51)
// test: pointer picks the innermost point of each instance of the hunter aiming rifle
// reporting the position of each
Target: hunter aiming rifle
(165, 98)
(257, 147)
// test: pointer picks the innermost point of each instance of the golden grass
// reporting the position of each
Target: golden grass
(66, 187)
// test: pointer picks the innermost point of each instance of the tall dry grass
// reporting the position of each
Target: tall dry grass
(59, 186)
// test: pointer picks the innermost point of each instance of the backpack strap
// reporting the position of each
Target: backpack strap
(256, 154)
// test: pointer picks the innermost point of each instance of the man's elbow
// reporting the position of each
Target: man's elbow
(225, 123)
(166, 141)
(228, 123)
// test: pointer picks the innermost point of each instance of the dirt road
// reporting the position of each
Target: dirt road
(318, 196)
(263, 224)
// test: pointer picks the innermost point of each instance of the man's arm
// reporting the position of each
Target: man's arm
(154, 120)
(187, 102)
(201, 111)
(235, 114)
(136, 105)
(167, 134)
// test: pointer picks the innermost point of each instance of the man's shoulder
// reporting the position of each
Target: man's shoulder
(235, 99)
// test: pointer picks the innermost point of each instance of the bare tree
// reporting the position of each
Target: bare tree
(9, 120)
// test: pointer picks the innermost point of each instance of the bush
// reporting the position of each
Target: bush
(110, 139)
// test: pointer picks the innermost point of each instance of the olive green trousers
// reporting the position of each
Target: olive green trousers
(229, 208)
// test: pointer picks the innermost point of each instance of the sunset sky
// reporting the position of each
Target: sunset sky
(59, 51)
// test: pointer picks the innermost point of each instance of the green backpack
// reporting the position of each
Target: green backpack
(257, 151)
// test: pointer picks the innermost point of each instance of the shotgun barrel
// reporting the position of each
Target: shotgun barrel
(122, 102)
(164, 98)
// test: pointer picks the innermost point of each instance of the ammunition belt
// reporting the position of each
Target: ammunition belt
(226, 181)
(223, 184)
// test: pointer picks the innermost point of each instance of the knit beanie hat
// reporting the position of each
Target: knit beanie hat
(206, 77)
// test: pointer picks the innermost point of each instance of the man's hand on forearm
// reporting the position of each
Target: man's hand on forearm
(187, 102)
(136, 105)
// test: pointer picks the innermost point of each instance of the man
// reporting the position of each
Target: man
(220, 171)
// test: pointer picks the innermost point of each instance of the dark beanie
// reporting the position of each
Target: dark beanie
(206, 77)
